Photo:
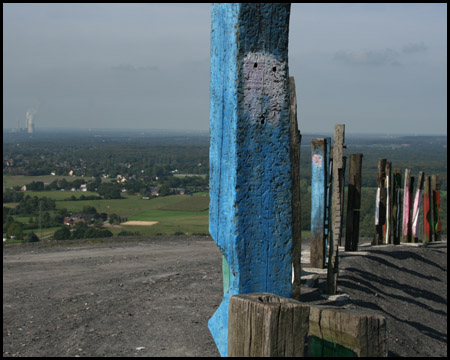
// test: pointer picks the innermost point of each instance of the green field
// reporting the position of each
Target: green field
(10, 181)
(60, 195)
(176, 213)
(20, 180)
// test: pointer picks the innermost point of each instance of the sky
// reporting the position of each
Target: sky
(377, 68)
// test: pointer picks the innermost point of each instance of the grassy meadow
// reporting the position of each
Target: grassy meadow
(186, 214)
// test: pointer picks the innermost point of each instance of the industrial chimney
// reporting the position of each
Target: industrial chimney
(30, 124)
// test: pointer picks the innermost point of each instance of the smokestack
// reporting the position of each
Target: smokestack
(30, 125)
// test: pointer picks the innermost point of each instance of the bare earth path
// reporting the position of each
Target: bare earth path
(153, 297)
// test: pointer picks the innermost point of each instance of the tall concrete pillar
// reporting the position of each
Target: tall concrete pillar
(250, 213)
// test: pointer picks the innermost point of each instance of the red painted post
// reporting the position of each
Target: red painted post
(435, 188)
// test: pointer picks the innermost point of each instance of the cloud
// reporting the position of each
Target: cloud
(368, 57)
(414, 48)
(133, 68)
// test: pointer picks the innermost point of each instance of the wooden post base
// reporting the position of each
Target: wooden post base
(263, 324)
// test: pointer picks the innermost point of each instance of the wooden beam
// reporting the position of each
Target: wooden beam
(427, 210)
(336, 208)
(266, 325)
(319, 180)
(353, 202)
(396, 205)
(295, 140)
(380, 203)
(263, 325)
(250, 212)
(388, 186)
(406, 223)
(416, 208)
(435, 188)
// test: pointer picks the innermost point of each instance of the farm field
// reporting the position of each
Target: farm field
(20, 180)
(173, 214)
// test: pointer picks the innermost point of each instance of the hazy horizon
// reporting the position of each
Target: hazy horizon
(377, 68)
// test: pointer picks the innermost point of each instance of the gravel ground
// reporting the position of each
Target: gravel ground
(153, 296)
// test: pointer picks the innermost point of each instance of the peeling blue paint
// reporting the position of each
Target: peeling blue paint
(250, 164)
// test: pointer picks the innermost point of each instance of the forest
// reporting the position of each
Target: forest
(111, 164)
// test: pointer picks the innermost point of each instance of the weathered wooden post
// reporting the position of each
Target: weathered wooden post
(353, 203)
(336, 209)
(406, 224)
(435, 188)
(396, 204)
(319, 186)
(427, 212)
(380, 203)
(387, 225)
(342, 195)
(327, 222)
(295, 138)
(416, 208)
(250, 213)
(263, 325)
(266, 325)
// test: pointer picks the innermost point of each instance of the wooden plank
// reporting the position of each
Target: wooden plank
(406, 223)
(380, 203)
(435, 189)
(336, 221)
(295, 140)
(416, 208)
(396, 205)
(353, 202)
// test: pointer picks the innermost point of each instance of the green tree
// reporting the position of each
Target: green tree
(89, 210)
(15, 229)
(109, 191)
(164, 190)
(114, 219)
(32, 237)
(63, 233)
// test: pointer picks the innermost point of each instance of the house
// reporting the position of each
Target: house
(83, 187)
(68, 221)
(179, 191)
(23, 188)
(155, 191)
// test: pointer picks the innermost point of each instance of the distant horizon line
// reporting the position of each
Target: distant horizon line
(203, 132)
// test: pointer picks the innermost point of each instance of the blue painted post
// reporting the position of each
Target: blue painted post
(319, 191)
(250, 214)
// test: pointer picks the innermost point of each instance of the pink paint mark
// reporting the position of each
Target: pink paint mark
(416, 210)
(406, 210)
(317, 160)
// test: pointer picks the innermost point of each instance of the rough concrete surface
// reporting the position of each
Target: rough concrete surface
(153, 296)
